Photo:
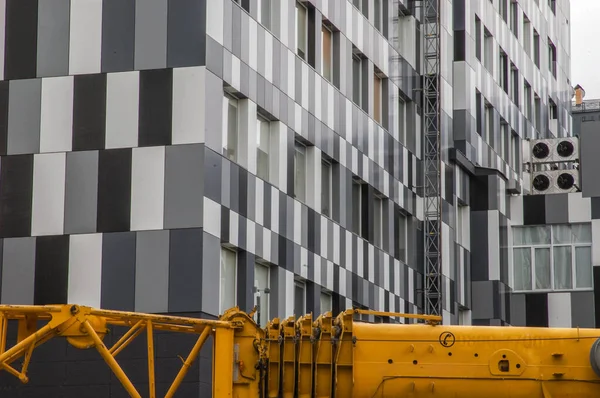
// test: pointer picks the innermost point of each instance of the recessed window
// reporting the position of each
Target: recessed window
(378, 220)
(377, 98)
(301, 30)
(263, 148)
(536, 48)
(230, 128)
(357, 79)
(265, 12)
(400, 225)
(326, 188)
(552, 257)
(326, 302)
(262, 293)
(514, 17)
(300, 172)
(327, 47)
(357, 207)
(228, 284)
(299, 298)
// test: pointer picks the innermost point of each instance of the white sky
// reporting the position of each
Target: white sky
(585, 51)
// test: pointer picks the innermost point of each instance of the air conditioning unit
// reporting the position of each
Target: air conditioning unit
(554, 181)
(554, 150)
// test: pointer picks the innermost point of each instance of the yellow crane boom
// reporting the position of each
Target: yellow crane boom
(330, 357)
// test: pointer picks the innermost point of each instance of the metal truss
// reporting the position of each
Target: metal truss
(432, 159)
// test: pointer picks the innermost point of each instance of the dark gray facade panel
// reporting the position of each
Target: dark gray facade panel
(118, 35)
(81, 192)
(590, 161)
(53, 38)
(118, 271)
(557, 209)
(152, 271)
(150, 34)
(185, 270)
(186, 43)
(18, 271)
(582, 310)
(184, 186)
(20, 39)
(24, 107)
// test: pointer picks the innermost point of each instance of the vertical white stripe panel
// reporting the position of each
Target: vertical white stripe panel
(48, 206)
(85, 45)
(359, 257)
(559, 310)
(275, 210)
(297, 222)
(397, 271)
(259, 205)
(266, 244)
(371, 259)
(411, 286)
(269, 57)
(291, 74)
(493, 245)
(349, 259)
(304, 99)
(56, 120)
(122, 106)
(214, 20)
(343, 277)
(2, 36)
(188, 105)
(253, 56)
(290, 289)
(336, 243)
(596, 242)
(250, 235)
(85, 269)
(303, 262)
(317, 270)
(234, 231)
(446, 260)
(329, 275)
(386, 273)
(147, 188)
(324, 245)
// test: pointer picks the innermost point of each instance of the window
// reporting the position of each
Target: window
(556, 257)
(489, 122)
(265, 12)
(244, 3)
(378, 220)
(504, 139)
(462, 224)
(400, 224)
(326, 188)
(230, 127)
(356, 207)
(301, 30)
(228, 279)
(299, 298)
(261, 293)
(515, 152)
(402, 121)
(504, 10)
(552, 5)
(527, 34)
(377, 98)
(552, 57)
(377, 16)
(327, 46)
(504, 71)
(553, 109)
(536, 48)
(300, 172)
(488, 61)
(514, 17)
(527, 100)
(478, 38)
(326, 302)
(357, 79)
(514, 91)
(263, 148)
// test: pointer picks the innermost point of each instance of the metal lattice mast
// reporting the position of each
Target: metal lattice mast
(432, 161)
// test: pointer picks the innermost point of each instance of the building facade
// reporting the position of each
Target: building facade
(185, 156)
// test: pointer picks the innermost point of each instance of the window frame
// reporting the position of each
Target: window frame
(300, 284)
(303, 55)
(329, 76)
(550, 246)
(261, 13)
(228, 101)
(260, 120)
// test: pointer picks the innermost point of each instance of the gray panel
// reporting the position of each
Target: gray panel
(589, 160)
(24, 108)
(184, 193)
(582, 309)
(214, 106)
(81, 192)
(483, 300)
(118, 35)
(557, 209)
(211, 261)
(212, 175)
(517, 310)
(118, 271)
(150, 34)
(185, 271)
(152, 271)
(18, 271)
(53, 38)
(186, 43)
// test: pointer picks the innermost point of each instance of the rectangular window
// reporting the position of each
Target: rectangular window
(265, 13)
(263, 147)
(478, 35)
(504, 10)
(556, 257)
(326, 188)
(301, 30)
(299, 298)
(228, 279)
(377, 98)
(378, 220)
(552, 57)
(489, 51)
(327, 46)
(527, 35)
(357, 79)
(514, 92)
(489, 122)
(514, 17)
(261, 293)
(504, 71)
(536, 48)
(377, 16)
(527, 100)
(552, 5)
(230, 128)
(300, 172)
(402, 121)
(356, 207)
(326, 302)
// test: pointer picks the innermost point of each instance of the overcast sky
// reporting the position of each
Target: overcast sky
(585, 51)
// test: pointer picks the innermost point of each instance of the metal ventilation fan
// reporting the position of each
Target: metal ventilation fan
(541, 182)
(555, 181)
(541, 150)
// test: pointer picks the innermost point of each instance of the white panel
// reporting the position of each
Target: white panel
(269, 57)
(359, 257)
(329, 275)
(348, 263)
(289, 289)
(494, 245)
(319, 81)
(85, 269)
(317, 270)
(235, 72)
(596, 242)
(386, 274)
(250, 235)
(559, 310)
(259, 205)
(188, 105)
(214, 20)
(147, 188)
(253, 59)
(446, 260)
(343, 276)
(371, 265)
(266, 245)
(580, 208)
(516, 210)
(336, 243)
(291, 74)
(122, 106)
(282, 156)
(411, 286)
(304, 99)
(56, 120)
(234, 222)
(48, 206)
(85, 46)
(303, 263)
(2, 29)
(297, 222)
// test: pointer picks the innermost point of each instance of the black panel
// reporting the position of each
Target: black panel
(224, 224)
(16, 186)
(244, 192)
(479, 195)
(185, 272)
(114, 190)
(595, 208)
(186, 37)
(51, 270)
(459, 45)
(118, 35)
(245, 280)
(597, 296)
(536, 310)
(4, 92)
(155, 114)
(89, 112)
(118, 271)
(534, 209)
(20, 44)
(267, 206)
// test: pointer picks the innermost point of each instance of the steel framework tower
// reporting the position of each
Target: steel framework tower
(432, 159)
